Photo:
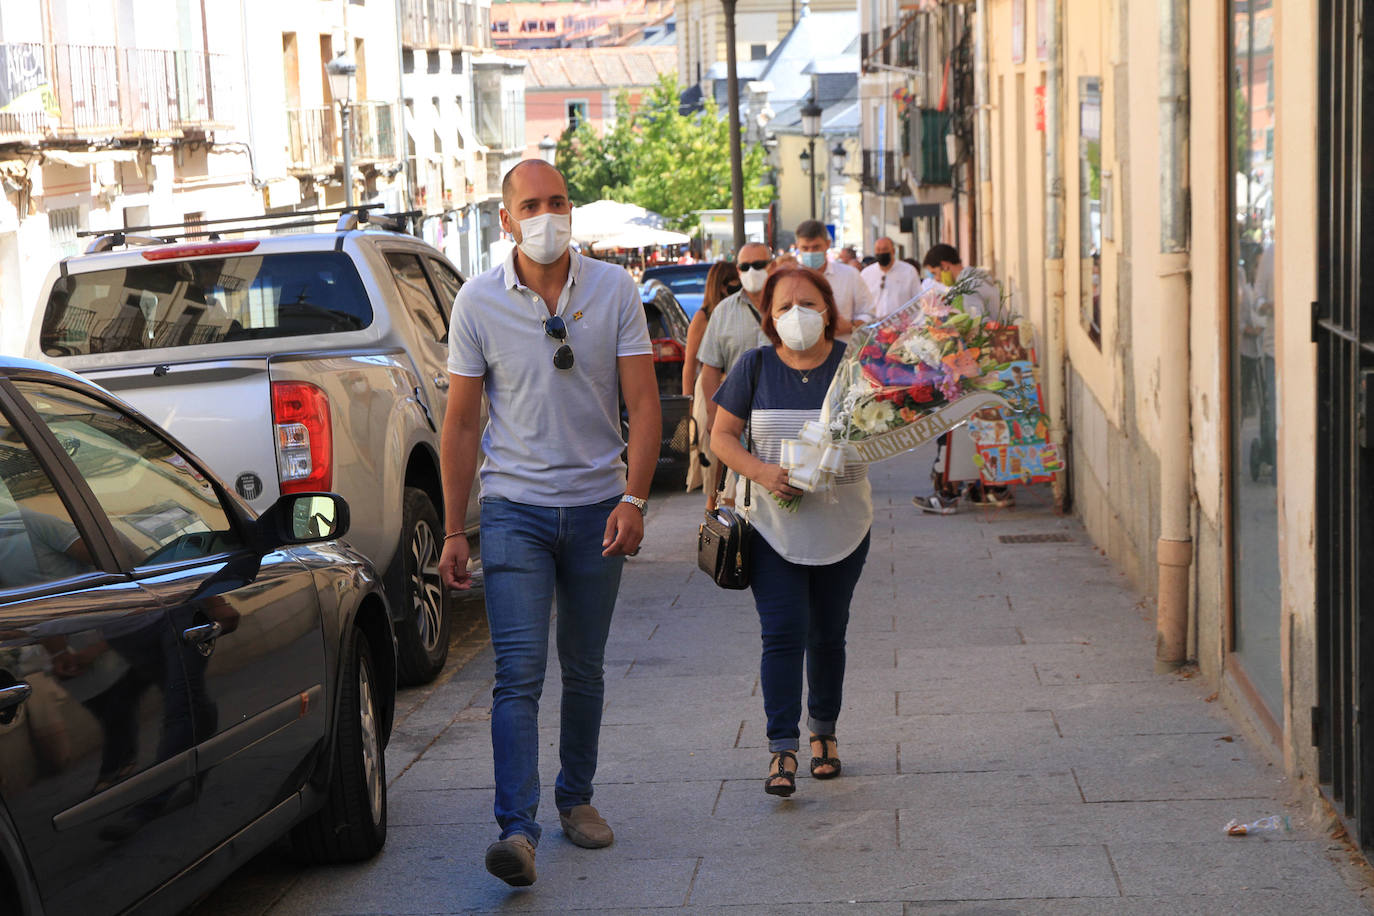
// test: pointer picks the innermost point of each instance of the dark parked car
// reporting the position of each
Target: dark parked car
(668, 332)
(181, 681)
(687, 281)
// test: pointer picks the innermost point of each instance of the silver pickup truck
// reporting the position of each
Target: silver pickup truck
(290, 363)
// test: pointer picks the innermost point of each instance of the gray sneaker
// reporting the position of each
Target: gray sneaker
(584, 825)
(512, 860)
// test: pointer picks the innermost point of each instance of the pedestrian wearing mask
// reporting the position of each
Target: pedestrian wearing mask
(806, 557)
(892, 283)
(553, 339)
(733, 331)
(852, 300)
(721, 281)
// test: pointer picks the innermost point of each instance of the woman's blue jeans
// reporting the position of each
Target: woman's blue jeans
(803, 612)
(530, 554)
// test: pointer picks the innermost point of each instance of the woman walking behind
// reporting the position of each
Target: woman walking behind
(806, 556)
(721, 281)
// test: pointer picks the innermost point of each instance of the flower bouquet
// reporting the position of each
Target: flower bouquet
(904, 380)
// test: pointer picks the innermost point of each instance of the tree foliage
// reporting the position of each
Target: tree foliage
(660, 159)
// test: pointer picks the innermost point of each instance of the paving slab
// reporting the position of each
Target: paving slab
(1007, 747)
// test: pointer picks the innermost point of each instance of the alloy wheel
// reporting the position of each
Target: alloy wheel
(372, 748)
(426, 589)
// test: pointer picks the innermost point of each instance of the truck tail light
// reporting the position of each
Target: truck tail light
(305, 440)
(667, 350)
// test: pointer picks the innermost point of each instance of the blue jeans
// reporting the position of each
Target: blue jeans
(803, 613)
(530, 554)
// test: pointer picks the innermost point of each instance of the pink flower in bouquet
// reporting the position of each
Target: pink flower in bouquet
(950, 387)
(963, 364)
(936, 306)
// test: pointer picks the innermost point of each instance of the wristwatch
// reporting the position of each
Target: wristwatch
(641, 504)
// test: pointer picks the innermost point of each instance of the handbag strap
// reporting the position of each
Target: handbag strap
(748, 434)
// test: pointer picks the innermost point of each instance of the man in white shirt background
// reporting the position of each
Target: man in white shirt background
(892, 283)
(852, 300)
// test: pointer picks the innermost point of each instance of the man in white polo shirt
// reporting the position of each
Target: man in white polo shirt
(552, 338)
(892, 283)
(852, 299)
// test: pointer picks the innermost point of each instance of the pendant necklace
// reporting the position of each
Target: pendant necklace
(805, 375)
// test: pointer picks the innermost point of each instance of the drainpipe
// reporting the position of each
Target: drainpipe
(1056, 362)
(980, 89)
(1175, 547)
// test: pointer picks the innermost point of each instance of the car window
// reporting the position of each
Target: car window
(162, 508)
(181, 303)
(449, 283)
(416, 294)
(38, 542)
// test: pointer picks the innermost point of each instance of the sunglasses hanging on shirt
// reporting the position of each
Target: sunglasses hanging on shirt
(555, 328)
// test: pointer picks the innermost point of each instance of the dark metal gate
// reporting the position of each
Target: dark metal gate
(1343, 329)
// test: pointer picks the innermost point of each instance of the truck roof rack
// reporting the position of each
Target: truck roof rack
(348, 218)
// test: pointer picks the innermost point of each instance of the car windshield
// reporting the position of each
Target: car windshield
(681, 281)
(204, 301)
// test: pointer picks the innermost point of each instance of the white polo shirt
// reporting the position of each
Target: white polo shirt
(851, 294)
(892, 290)
(553, 435)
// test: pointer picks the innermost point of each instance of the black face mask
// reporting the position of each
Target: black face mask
(884, 259)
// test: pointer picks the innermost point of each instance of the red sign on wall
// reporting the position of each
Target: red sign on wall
(1040, 108)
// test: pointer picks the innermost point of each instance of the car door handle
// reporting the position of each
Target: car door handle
(441, 383)
(203, 636)
(13, 695)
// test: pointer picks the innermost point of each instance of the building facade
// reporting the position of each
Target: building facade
(1167, 198)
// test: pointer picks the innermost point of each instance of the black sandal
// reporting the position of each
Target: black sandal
(789, 785)
(826, 741)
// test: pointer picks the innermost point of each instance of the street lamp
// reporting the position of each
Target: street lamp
(547, 149)
(811, 127)
(838, 155)
(340, 72)
(806, 162)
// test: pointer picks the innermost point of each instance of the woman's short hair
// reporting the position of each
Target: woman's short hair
(801, 273)
(720, 274)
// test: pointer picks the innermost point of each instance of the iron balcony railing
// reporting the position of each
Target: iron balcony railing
(100, 90)
(313, 135)
(881, 171)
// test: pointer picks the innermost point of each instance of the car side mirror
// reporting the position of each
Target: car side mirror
(306, 518)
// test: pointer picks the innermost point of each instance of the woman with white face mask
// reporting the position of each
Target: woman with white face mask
(807, 551)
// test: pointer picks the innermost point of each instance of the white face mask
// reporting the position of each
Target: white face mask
(812, 259)
(800, 327)
(545, 237)
(753, 280)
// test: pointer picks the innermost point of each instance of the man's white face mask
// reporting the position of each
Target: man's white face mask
(545, 237)
(753, 279)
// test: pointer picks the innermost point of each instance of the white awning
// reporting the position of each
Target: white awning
(85, 159)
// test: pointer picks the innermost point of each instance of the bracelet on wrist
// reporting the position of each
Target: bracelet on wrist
(452, 535)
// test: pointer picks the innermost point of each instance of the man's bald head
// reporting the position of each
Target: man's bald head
(516, 178)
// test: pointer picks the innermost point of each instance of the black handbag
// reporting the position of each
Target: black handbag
(724, 535)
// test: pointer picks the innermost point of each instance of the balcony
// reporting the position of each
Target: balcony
(881, 172)
(104, 91)
(313, 135)
(431, 24)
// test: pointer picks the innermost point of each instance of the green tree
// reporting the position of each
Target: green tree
(661, 159)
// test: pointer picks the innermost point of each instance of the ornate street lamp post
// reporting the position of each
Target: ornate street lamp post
(341, 71)
(548, 148)
(811, 127)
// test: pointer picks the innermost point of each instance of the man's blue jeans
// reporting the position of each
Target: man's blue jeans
(530, 554)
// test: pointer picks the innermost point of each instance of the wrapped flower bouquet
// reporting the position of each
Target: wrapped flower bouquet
(904, 380)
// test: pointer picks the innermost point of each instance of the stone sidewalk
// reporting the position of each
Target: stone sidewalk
(1007, 748)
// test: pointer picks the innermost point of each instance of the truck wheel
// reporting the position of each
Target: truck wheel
(351, 826)
(422, 627)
